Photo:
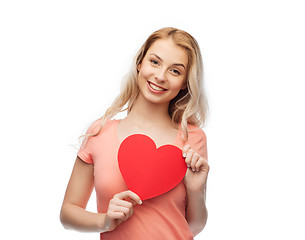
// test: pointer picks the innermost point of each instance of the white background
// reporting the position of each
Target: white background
(61, 63)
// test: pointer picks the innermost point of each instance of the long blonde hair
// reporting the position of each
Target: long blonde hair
(190, 106)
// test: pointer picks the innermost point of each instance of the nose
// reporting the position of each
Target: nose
(160, 75)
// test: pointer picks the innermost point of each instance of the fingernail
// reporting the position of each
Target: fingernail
(184, 155)
(188, 165)
(140, 202)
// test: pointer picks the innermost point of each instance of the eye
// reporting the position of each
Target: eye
(175, 71)
(153, 61)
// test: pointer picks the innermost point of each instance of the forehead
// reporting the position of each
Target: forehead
(169, 51)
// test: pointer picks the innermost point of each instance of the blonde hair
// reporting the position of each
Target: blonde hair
(190, 106)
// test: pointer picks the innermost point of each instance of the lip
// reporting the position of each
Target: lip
(153, 90)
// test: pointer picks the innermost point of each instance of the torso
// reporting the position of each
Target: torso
(166, 210)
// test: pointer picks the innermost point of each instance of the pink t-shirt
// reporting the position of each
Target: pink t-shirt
(162, 217)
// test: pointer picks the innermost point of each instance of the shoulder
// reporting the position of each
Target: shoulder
(195, 132)
(97, 125)
(197, 139)
(94, 133)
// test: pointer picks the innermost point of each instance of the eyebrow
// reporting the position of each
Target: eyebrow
(175, 64)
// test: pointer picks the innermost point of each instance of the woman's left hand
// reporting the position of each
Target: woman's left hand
(196, 175)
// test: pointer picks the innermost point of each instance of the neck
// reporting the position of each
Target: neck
(147, 113)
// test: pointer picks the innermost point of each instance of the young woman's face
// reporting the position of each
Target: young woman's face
(163, 71)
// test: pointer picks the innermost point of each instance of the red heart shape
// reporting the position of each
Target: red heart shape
(148, 171)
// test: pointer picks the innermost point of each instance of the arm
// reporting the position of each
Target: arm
(195, 182)
(196, 211)
(73, 213)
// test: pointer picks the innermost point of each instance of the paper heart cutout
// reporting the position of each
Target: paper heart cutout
(149, 171)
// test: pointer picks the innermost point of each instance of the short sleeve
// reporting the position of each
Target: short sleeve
(198, 141)
(85, 150)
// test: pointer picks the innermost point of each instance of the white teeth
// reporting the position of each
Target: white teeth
(155, 87)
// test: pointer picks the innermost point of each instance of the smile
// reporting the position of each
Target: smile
(155, 87)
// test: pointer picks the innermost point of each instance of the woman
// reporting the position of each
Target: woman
(165, 101)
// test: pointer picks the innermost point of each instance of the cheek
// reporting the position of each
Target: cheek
(145, 71)
(147, 74)
(178, 85)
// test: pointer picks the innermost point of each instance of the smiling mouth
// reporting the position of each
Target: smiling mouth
(156, 88)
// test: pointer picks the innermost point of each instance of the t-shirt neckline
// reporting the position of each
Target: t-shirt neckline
(115, 128)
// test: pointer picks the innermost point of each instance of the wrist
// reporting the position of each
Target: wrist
(198, 193)
(101, 222)
(196, 190)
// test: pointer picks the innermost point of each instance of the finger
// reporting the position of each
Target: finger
(205, 165)
(124, 213)
(199, 164)
(116, 215)
(194, 160)
(133, 202)
(131, 212)
(189, 156)
(118, 205)
(129, 194)
(185, 150)
(134, 198)
(123, 203)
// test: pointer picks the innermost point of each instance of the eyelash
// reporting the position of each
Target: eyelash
(175, 71)
(154, 62)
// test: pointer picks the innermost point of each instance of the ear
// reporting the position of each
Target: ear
(139, 67)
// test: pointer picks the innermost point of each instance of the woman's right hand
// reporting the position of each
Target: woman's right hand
(120, 208)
